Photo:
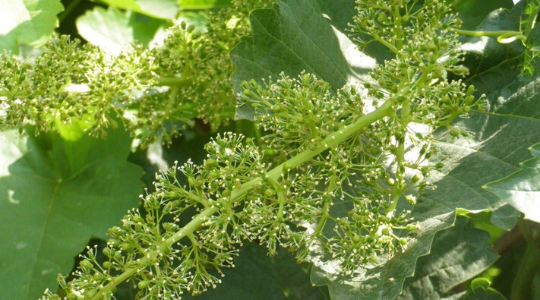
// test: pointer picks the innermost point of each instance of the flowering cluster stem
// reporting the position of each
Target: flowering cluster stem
(331, 141)
(185, 231)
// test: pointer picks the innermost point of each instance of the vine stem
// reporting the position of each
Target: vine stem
(501, 35)
(185, 231)
(521, 286)
(484, 33)
(398, 27)
(67, 10)
(400, 157)
(331, 141)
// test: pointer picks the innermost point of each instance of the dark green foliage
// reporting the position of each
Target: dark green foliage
(379, 139)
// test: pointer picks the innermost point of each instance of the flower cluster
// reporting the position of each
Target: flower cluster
(152, 91)
(330, 177)
(348, 174)
(426, 49)
(147, 246)
(298, 114)
(421, 37)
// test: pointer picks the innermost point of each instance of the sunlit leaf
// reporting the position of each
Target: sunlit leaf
(54, 196)
(457, 254)
(522, 189)
(28, 22)
(113, 30)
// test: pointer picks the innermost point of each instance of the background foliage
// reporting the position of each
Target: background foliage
(60, 189)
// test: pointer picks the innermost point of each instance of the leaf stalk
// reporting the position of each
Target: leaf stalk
(522, 284)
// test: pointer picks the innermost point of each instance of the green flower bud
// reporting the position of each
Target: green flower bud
(411, 227)
(481, 108)
(411, 199)
(286, 167)
(382, 18)
(277, 108)
(167, 251)
(460, 70)
(269, 192)
(248, 93)
(127, 247)
(269, 152)
(143, 284)
(470, 90)
(306, 80)
(137, 219)
(108, 252)
(86, 265)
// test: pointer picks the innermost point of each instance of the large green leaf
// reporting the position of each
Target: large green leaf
(490, 62)
(270, 278)
(27, 21)
(292, 37)
(522, 189)
(163, 9)
(54, 196)
(473, 12)
(113, 30)
(457, 254)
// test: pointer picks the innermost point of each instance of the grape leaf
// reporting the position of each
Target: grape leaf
(457, 254)
(162, 9)
(482, 294)
(292, 37)
(113, 30)
(490, 62)
(28, 22)
(522, 189)
(533, 40)
(54, 196)
(270, 278)
(473, 12)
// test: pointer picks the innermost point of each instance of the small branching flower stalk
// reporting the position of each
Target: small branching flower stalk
(320, 148)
